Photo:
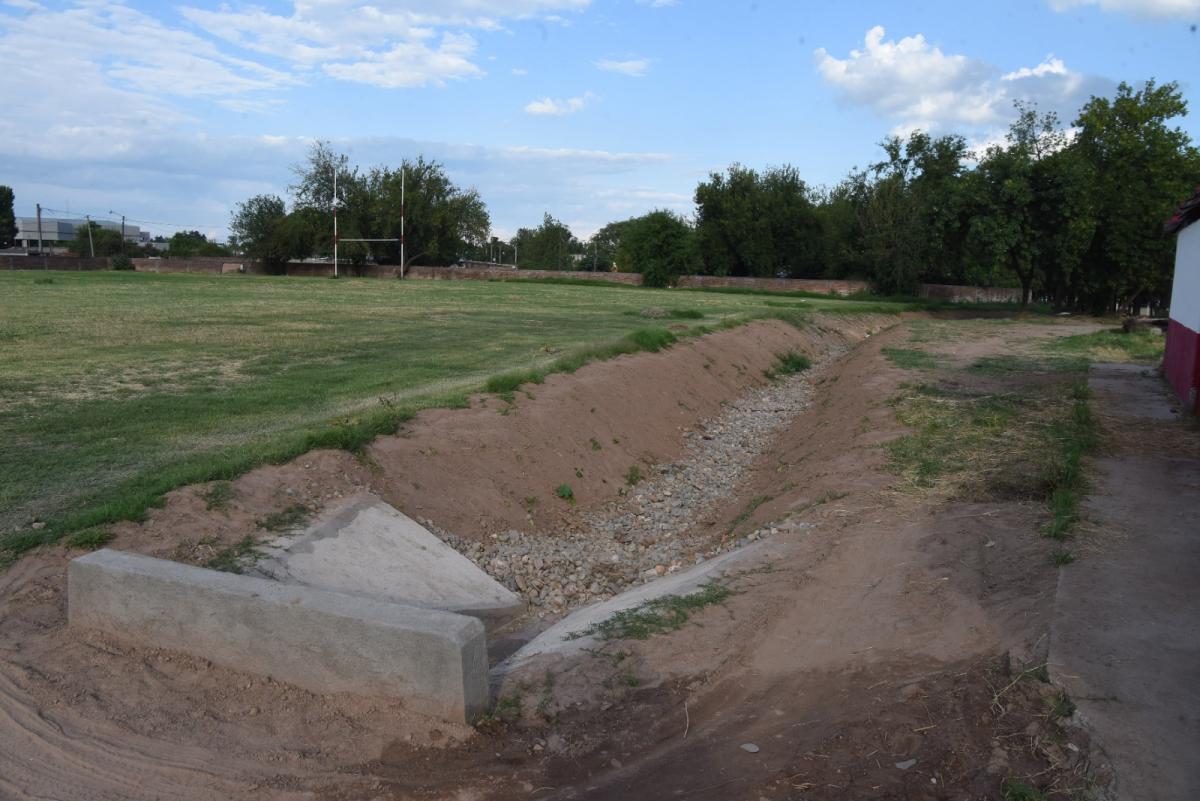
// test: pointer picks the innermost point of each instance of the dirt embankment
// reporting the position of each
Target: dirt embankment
(874, 654)
(497, 465)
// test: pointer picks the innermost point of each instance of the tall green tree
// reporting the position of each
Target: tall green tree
(547, 247)
(104, 241)
(190, 244)
(8, 220)
(1032, 214)
(261, 229)
(442, 221)
(755, 224)
(1141, 168)
(659, 245)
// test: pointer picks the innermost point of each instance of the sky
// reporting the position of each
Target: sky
(591, 110)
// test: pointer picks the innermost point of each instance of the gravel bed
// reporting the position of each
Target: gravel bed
(642, 534)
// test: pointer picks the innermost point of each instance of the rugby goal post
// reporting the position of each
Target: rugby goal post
(335, 228)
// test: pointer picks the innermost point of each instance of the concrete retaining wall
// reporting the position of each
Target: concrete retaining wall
(326, 642)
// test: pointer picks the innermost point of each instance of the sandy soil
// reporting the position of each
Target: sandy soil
(885, 633)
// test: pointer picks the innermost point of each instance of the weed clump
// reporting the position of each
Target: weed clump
(656, 616)
(565, 492)
(90, 538)
(228, 560)
(289, 518)
(217, 496)
(789, 363)
(633, 476)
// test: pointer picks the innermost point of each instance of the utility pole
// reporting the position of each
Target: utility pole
(110, 211)
(402, 243)
(335, 234)
(91, 245)
(39, 223)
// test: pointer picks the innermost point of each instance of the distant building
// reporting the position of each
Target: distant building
(1182, 360)
(57, 233)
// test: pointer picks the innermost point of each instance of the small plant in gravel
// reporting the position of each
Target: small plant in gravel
(656, 616)
(565, 492)
(1062, 557)
(633, 476)
(788, 364)
(288, 518)
(595, 444)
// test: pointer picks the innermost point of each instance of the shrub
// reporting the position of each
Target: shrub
(121, 262)
(565, 492)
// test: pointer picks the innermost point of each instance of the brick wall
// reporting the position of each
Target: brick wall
(776, 284)
(51, 263)
(487, 274)
(216, 265)
(971, 294)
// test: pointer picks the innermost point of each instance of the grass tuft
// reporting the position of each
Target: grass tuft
(788, 364)
(90, 538)
(229, 560)
(911, 358)
(289, 518)
(656, 616)
(633, 476)
(565, 492)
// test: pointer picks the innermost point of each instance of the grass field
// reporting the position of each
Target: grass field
(115, 388)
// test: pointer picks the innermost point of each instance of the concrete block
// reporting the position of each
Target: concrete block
(326, 642)
(366, 547)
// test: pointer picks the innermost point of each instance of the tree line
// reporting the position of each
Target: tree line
(1071, 215)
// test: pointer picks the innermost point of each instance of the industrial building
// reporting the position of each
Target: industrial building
(57, 233)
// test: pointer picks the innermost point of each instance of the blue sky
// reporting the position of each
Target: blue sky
(593, 110)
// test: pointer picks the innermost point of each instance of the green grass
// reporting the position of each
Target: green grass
(117, 387)
(292, 517)
(1114, 345)
(911, 358)
(229, 560)
(565, 492)
(633, 476)
(656, 616)
(1009, 364)
(789, 363)
(1071, 437)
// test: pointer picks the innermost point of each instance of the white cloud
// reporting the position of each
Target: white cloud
(519, 71)
(1168, 9)
(550, 107)
(385, 44)
(921, 87)
(658, 3)
(634, 67)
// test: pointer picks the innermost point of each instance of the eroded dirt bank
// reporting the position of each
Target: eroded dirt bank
(876, 652)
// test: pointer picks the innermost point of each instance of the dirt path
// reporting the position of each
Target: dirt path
(1127, 631)
(876, 652)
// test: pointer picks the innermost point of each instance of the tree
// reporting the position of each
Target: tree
(547, 247)
(659, 245)
(105, 241)
(260, 228)
(1032, 216)
(189, 244)
(1140, 168)
(758, 225)
(442, 221)
(605, 245)
(8, 220)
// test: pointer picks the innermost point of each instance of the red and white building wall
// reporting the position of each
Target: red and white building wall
(1182, 360)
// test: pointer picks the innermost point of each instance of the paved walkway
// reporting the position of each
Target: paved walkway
(1126, 638)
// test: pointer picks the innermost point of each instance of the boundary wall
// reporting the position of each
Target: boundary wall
(476, 271)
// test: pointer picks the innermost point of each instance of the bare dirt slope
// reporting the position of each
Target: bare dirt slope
(876, 652)
(1127, 630)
